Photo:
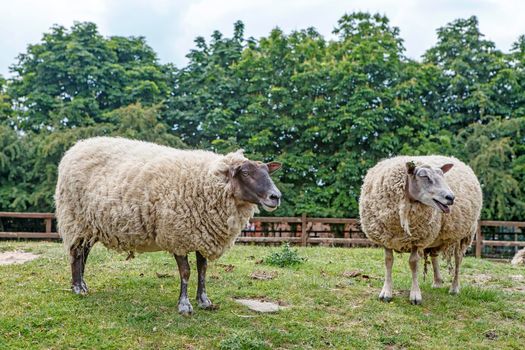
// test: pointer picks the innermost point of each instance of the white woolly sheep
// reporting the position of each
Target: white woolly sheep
(137, 196)
(519, 258)
(404, 206)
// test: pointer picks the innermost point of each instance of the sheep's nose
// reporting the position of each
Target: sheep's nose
(450, 198)
(275, 197)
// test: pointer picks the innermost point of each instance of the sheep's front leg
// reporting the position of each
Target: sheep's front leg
(438, 281)
(458, 257)
(415, 292)
(202, 298)
(185, 307)
(386, 292)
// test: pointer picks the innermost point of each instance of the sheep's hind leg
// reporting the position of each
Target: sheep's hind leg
(79, 256)
(415, 292)
(386, 292)
(438, 281)
(202, 299)
(184, 305)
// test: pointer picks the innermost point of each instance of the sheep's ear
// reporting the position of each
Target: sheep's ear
(446, 167)
(411, 167)
(273, 167)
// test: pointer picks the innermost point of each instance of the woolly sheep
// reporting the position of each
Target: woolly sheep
(136, 196)
(519, 258)
(406, 206)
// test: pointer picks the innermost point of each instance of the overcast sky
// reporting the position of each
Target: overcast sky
(170, 26)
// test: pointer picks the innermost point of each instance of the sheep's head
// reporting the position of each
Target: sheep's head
(427, 185)
(251, 183)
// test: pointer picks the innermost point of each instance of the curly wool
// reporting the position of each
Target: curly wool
(390, 219)
(137, 196)
(519, 258)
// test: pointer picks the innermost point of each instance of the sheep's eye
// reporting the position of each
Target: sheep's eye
(429, 180)
(245, 173)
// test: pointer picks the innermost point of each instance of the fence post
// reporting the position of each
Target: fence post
(479, 241)
(48, 225)
(304, 234)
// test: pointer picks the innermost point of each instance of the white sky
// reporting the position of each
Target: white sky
(170, 26)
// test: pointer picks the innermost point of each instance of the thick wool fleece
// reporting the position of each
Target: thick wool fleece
(388, 218)
(519, 258)
(137, 196)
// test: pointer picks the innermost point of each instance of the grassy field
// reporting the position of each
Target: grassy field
(133, 304)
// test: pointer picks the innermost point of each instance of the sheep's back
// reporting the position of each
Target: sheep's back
(108, 190)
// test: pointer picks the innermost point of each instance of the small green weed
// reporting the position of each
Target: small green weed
(286, 256)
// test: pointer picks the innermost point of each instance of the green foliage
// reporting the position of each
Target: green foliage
(497, 153)
(284, 257)
(327, 109)
(73, 76)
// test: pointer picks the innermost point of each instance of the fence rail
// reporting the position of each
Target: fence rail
(300, 230)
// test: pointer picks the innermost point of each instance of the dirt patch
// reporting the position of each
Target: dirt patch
(481, 279)
(16, 257)
(227, 267)
(357, 274)
(263, 275)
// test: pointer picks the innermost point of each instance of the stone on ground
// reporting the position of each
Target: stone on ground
(260, 306)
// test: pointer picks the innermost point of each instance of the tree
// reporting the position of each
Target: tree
(74, 76)
(469, 65)
(206, 96)
(5, 102)
(497, 155)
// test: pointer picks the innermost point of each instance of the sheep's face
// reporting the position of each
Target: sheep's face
(427, 185)
(252, 183)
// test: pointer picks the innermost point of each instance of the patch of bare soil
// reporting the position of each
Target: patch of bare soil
(481, 279)
(16, 257)
(263, 275)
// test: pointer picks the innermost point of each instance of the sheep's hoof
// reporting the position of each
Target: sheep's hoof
(415, 298)
(385, 297)
(205, 303)
(185, 308)
(437, 284)
(454, 290)
(81, 289)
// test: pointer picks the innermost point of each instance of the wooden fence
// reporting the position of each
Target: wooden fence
(298, 230)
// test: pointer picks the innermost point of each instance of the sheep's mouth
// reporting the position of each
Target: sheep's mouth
(269, 208)
(443, 207)
(269, 205)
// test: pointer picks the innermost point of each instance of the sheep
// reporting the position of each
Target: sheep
(406, 206)
(135, 196)
(519, 258)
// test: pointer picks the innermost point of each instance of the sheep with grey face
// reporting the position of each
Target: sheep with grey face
(423, 205)
(135, 196)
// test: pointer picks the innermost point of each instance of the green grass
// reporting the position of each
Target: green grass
(131, 307)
